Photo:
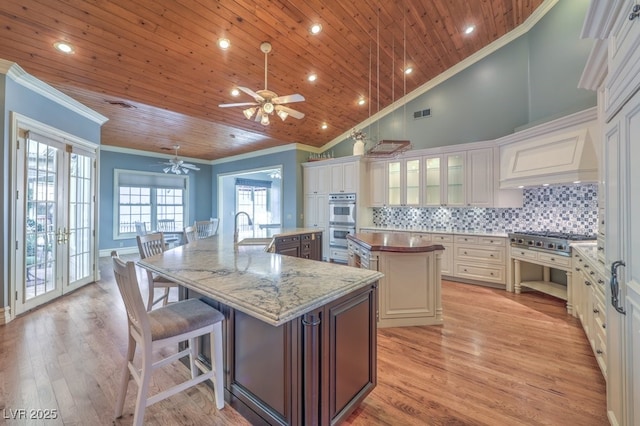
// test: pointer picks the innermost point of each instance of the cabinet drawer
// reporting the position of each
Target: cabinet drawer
(601, 352)
(495, 274)
(442, 238)
(555, 259)
(289, 239)
(479, 254)
(423, 237)
(599, 317)
(492, 241)
(523, 253)
(465, 239)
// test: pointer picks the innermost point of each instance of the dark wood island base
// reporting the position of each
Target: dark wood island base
(312, 370)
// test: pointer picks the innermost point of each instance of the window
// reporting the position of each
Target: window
(252, 197)
(151, 198)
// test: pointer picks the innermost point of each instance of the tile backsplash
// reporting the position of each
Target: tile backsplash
(561, 208)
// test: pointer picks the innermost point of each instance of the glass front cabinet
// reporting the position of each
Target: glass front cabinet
(403, 182)
(444, 178)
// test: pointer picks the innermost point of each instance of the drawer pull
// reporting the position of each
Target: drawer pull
(553, 259)
(587, 282)
(595, 311)
(491, 274)
(586, 266)
(465, 252)
(599, 351)
(577, 269)
(491, 255)
(522, 253)
(604, 325)
(600, 282)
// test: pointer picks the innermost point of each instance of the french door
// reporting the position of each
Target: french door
(55, 239)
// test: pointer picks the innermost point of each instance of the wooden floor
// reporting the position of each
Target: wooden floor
(499, 359)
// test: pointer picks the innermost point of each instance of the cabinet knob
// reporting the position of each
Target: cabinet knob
(491, 255)
(587, 282)
(577, 269)
(595, 311)
(600, 282)
(591, 273)
(604, 325)
(635, 12)
(465, 252)
(599, 351)
(553, 259)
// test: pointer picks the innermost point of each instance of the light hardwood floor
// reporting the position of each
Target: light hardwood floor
(499, 359)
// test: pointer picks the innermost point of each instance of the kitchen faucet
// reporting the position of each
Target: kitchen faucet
(235, 225)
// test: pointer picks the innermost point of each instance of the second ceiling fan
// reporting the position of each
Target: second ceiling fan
(266, 101)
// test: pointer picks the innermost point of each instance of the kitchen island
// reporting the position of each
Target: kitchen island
(299, 335)
(410, 291)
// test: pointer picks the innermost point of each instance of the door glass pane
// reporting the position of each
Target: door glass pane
(413, 182)
(455, 179)
(432, 181)
(79, 237)
(393, 177)
(41, 220)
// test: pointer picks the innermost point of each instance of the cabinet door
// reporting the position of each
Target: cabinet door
(350, 178)
(315, 210)
(432, 181)
(455, 179)
(315, 179)
(479, 173)
(412, 196)
(378, 182)
(394, 183)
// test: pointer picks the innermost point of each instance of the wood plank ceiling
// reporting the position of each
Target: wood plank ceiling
(154, 69)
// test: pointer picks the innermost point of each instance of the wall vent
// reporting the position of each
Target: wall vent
(422, 113)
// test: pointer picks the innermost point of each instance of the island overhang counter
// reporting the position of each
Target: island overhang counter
(299, 335)
(410, 291)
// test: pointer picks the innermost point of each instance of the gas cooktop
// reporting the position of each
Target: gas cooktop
(554, 242)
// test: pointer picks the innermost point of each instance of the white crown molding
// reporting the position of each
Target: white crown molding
(20, 76)
(549, 127)
(600, 18)
(523, 28)
(131, 151)
(267, 151)
(595, 69)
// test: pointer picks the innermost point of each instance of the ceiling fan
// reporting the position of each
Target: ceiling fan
(266, 101)
(177, 166)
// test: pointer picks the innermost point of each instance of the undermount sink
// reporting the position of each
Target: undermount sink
(254, 242)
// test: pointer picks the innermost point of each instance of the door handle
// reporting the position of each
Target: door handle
(615, 287)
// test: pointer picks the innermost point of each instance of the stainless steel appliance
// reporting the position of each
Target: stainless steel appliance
(342, 209)
(550, 242)
(342, 222)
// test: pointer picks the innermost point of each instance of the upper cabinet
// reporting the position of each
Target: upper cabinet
(466, 178)
(344, 177)
(403, 182)
(315, 179)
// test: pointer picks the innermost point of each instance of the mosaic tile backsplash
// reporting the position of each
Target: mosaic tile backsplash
(570, 208)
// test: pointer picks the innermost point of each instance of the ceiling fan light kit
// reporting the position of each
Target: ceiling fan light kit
(267, 102)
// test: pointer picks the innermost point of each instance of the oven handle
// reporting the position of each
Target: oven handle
(615, 288)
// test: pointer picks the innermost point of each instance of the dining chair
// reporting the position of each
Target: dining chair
(190, 234)
(150, 245)
(141, 228)
(168, 226)
(182, 321)
(205, 228)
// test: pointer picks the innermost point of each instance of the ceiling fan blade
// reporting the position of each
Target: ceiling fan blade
(190, 166)
(258, 115)
(287, 99)
(292, 112)
(238, 104)
(251, 93)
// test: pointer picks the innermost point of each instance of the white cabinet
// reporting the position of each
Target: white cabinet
(377, 183)
(443, 183)
(480, 178)
(315, 179)
(344, 177)
(316, 209)
(403, 182)
(480, 258)
(446, 241)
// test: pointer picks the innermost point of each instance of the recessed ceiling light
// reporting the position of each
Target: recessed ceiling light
(324, 126)
(63, 47)
(224, 43)
(576, 181)
(469, 29)
(235, 92)
(361, 101)
(545, 184)
(312, 77)
(315, 28)
(521, 186)
(408, 70)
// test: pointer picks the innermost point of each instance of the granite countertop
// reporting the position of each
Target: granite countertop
(296, 231)
(270, 287)
(589, 251)
(427, 229)
(394, 242)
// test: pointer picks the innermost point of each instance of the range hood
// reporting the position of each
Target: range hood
(559, 152)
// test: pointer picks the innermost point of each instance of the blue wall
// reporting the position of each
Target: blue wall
(16, 98)
(291, 180)
(531, 80)
(200, 192)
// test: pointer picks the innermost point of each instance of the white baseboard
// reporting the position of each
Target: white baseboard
(5, 315)
(120, 250)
